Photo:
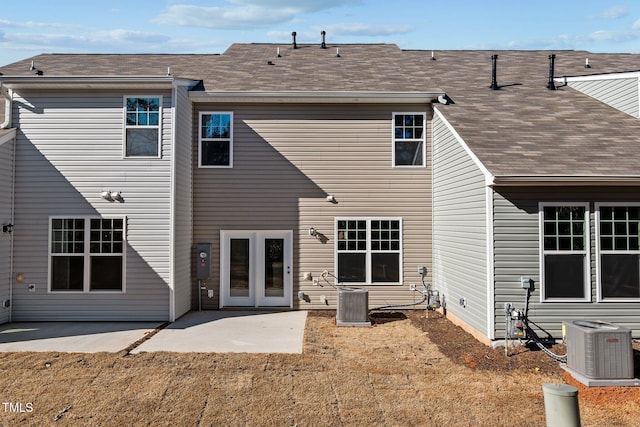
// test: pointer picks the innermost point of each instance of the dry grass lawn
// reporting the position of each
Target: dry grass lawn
(391, 374)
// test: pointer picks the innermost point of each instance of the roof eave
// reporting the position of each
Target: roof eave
(315, 97)
(90, 82)
(560, 180)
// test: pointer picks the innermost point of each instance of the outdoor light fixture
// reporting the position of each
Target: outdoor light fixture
(116, 196)
(331, 198)
(112, 196)
(7, 228)
(312, 231)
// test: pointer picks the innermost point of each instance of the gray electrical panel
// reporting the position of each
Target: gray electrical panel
(203, 261)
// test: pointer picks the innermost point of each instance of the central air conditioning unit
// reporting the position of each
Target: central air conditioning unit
(599, 350)
(353, 307)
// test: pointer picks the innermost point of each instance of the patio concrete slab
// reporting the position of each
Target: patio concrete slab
(231, 332)
(72, 337)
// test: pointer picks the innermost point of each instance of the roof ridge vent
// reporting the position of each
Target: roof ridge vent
(294, 45)
(552, 59)
(494, 72)
(323, 45)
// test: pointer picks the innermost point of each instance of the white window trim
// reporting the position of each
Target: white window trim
(423, 139)
(599, 297)
(86, 278)
(368, 250)
(586, 252)
(125, 127)
(201, 139)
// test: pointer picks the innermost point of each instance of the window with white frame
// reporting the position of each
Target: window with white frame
(369, 250)
(409, 139)
(86, 254)
(142, 126)
(216, 139)
(619, 251)
(565, 261)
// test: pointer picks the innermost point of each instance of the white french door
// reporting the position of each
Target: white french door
(255, 268)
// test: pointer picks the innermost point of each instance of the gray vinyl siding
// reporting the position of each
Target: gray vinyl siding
(517, 253)
(6, 196)
(621, 94)
(287, 159)
(459, 229)
(182, 203)
(69, 150)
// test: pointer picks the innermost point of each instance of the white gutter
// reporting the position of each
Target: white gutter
(106, 82)
(560, 180)
(317, 97)
(605, 76)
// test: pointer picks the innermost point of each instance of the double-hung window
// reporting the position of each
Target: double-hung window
(142, 126)
(86, 254)
(565, 252)
(409, 139)
(619, 251)
(216, 139)
(369, 250)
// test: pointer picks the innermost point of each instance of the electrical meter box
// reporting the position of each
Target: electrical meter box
(203, 261)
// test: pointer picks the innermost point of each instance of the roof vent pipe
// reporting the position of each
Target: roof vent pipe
(551, 85)
(323, 45)
(295, 45)
(494, 72)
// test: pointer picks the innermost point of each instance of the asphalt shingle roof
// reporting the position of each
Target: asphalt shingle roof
(521, 129)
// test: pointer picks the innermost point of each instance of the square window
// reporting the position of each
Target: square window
(106, 273)
(368, 251)
(67, 273)
(76, 254)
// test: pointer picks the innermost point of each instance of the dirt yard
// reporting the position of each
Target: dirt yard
(406, 370)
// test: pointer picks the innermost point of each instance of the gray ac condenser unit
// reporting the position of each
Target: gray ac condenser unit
(599, 350)
(353, 307)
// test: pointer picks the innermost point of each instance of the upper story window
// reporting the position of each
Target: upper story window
(409, 139)
(565, 254)
(215, 146)
(619, 251)
(369, 250)
(142, 126)
(86, 254)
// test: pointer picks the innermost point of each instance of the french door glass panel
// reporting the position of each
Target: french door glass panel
(239, 268)
(274, 267)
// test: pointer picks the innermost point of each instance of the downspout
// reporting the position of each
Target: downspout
(8, 112)
(12, 216)
(172, 203)
(8, 105)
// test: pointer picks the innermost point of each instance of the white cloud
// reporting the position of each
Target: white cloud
(223, 18)
(243, 14)
(31, 24)
(613, 36)
(366, 30)
(636, 25)
(127, 36)
(303, 6)
(614, 12)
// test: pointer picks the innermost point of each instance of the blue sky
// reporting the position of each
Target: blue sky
(28, 28)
